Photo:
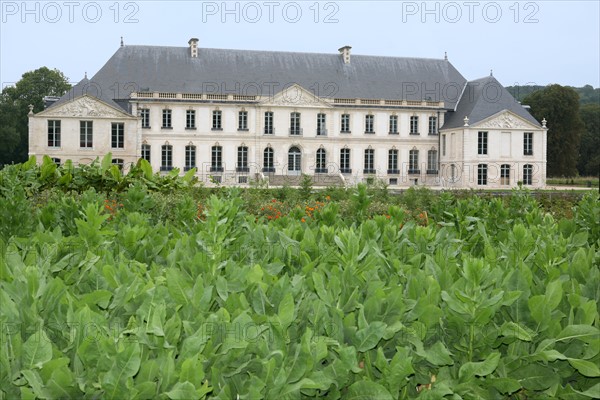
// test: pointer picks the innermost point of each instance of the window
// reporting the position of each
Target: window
(216, 160)
(393, 124)
(166, 161)
(242, 159)
(414, 125)
(432, 162)
(118, 162)
(482, 143)
(321, 162)
(269, 123)
(345, 161)
(145, 114)
(166, 120)
(527, 174)
(190, 157)
(505, 174)
(321, 125)
(345, 128)
(452, 173)
(216, 120)
(443, 145)
(243, 121)
(268, 163)
(528, 144)
(117, 138)
(393, 162)
(369, 161)
(369, 123)
(243, 179)
(53, 133)
(393, 181)
(295, 124)
(146, 152)
(482, 170)
(433, 126)
(190, 119)
(294, 160)
(86, 134)
(413, 162)
(56, 161)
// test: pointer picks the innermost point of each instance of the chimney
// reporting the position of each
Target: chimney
(193, 47)
(345, 52)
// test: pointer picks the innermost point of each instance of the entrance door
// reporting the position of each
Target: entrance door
(294, 161)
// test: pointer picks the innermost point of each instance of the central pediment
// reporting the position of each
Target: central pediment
(85, 107)
(505, 120)
(295, 95)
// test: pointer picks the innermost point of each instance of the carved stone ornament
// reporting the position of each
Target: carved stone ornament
(297, 96)
(505, 121)
(85, 107)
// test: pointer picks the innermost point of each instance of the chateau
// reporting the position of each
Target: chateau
(241, 115)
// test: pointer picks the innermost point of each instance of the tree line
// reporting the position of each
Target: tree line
(573, 116)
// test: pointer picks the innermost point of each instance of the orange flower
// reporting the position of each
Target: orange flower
(302, 220)
(327, 197)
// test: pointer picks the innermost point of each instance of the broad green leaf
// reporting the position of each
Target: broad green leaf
(183, 391)
(285, 312)
(37, 350)
(585, 333)
(368, 338)
(438, 355)
(513, 329)
(482, 368)
(362, 390)
(554, 294)
(505, 385)
(586, 368)
(535, 377)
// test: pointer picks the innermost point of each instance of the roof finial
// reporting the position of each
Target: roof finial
(491, 72)
(85, 75)
(446, 55)
(544, 122)
(466, 120)
(121, 41)
(31, 110)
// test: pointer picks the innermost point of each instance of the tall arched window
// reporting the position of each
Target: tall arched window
(268, 160)
(321, 167)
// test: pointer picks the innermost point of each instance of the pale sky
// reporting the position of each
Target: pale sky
(523, 42)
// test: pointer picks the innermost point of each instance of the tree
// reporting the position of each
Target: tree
(560, 106)
(589, 158)
(14, 107)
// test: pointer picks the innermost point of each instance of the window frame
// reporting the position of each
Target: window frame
(166, 157)
(117, 140)
(242, 159)
(345, 123)
(393, 125)
(243, 120)
(482, 174)
(269, 117)
(217, 120)
(369, 161)
(345, 159)
(167, 119)
(393, 157)
(216, 159)
(413, 162)
(86, 134)
(370, 124)
(190, 157)
(268, 160)
(321, 161)
(414, 125)
(145, 117)
(190, 119)
(54, 133)
(482, 143)
(433, 125)
(528, 143)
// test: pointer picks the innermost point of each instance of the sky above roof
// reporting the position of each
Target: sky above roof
(539, 42)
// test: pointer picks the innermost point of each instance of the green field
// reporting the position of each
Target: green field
(149, 286)
(583, 181)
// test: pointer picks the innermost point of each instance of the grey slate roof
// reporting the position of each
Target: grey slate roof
(219, 71)
(481, 99)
